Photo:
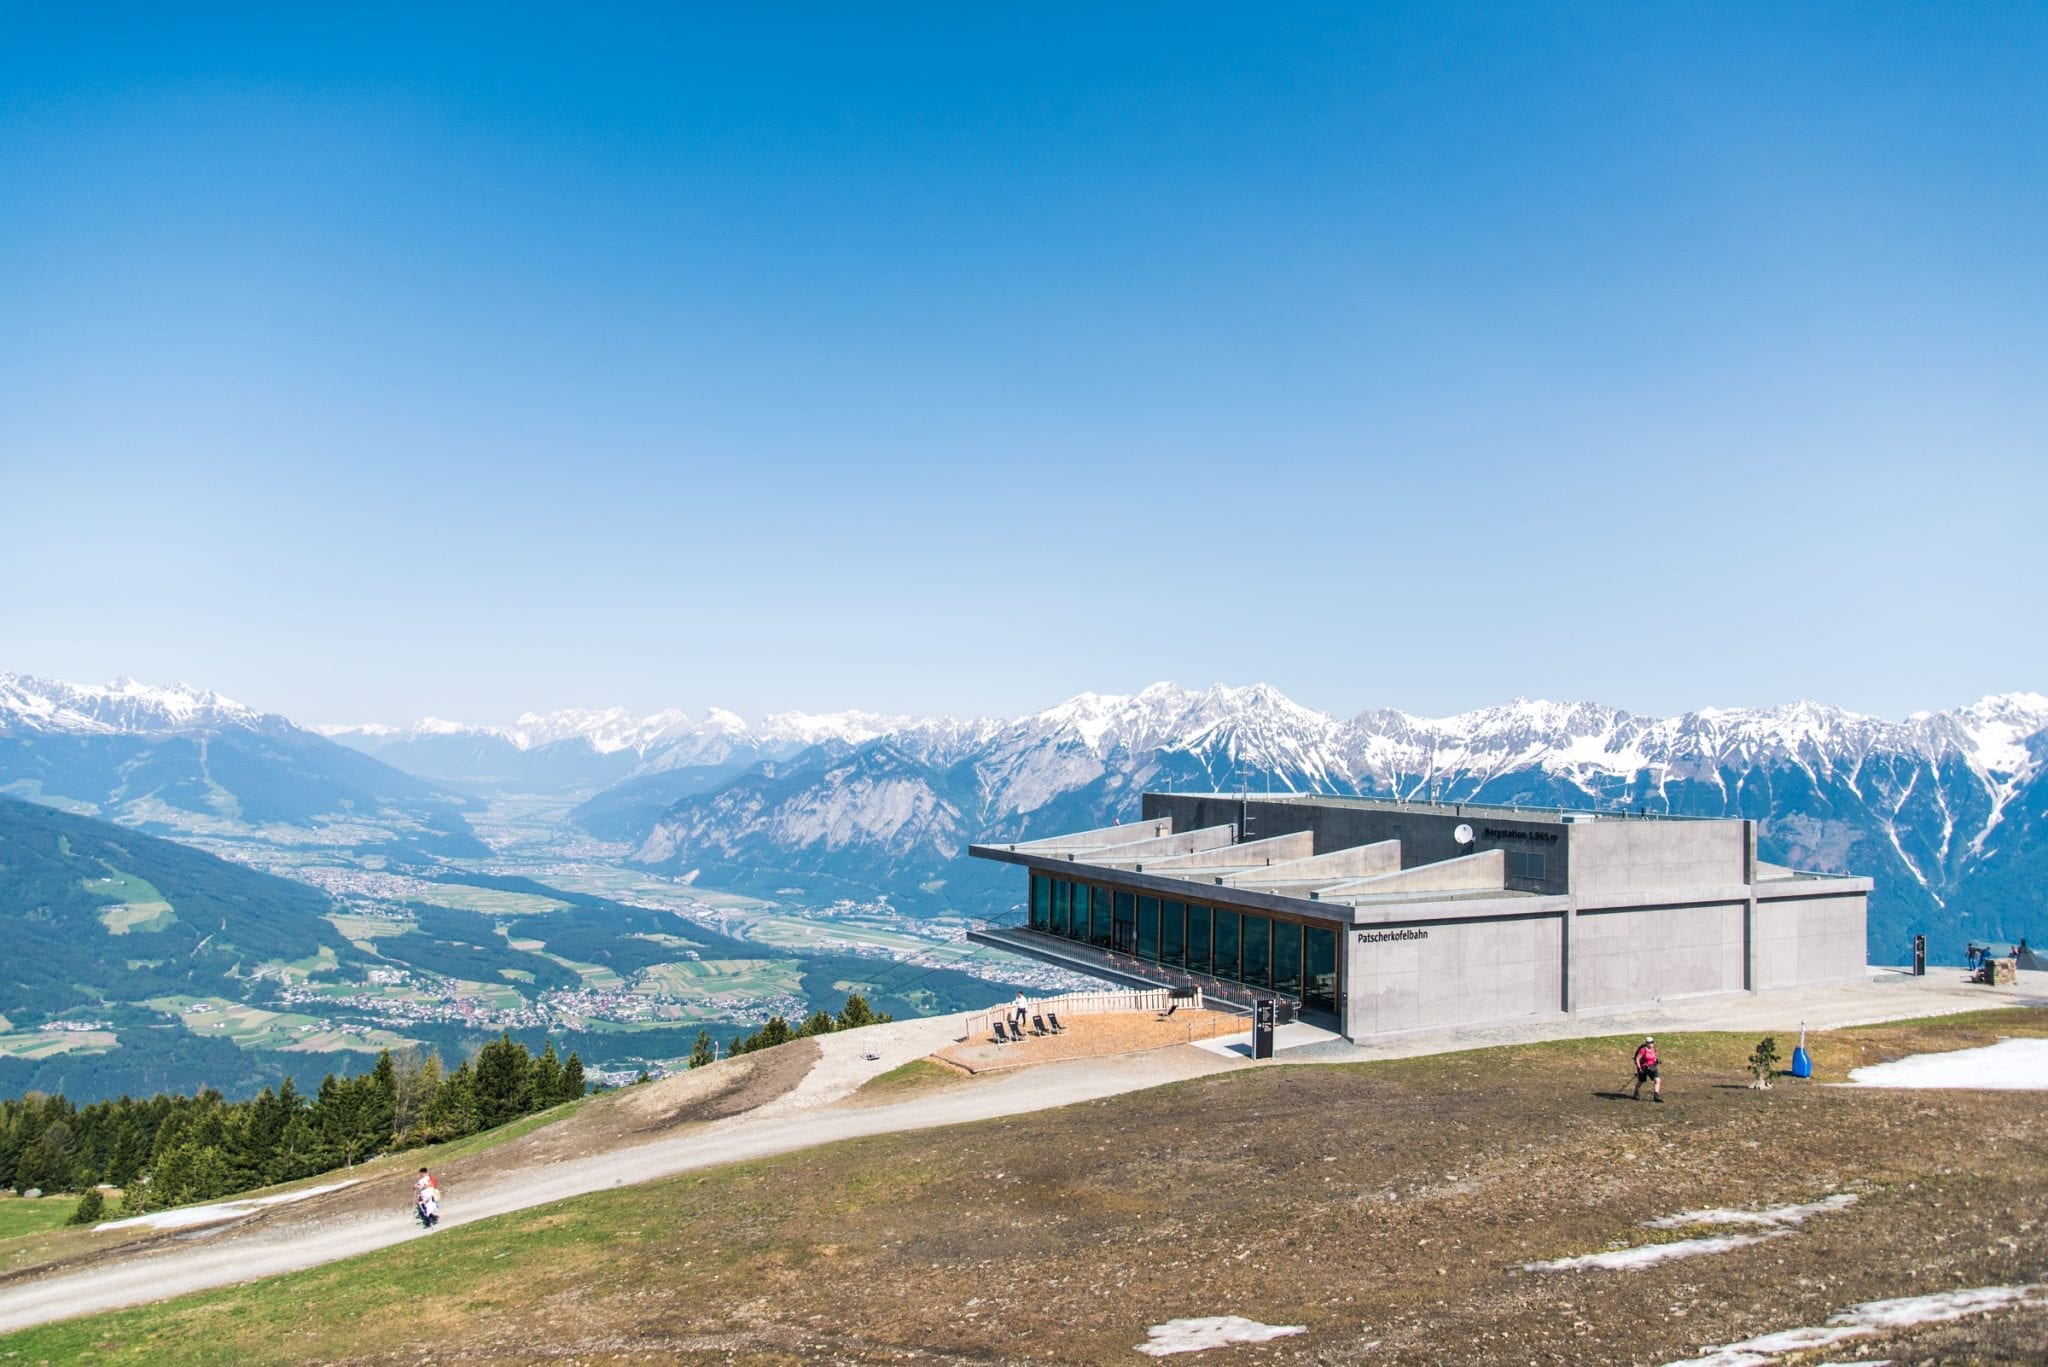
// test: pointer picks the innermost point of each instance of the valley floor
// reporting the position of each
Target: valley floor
(1390, 1207)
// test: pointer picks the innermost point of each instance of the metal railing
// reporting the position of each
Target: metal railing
(1153, 999)
(1219, 993)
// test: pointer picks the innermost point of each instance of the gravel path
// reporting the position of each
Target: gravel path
(798, 1119)
(807, 1116)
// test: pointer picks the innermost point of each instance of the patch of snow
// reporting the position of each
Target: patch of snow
(1214, 1331)
(183, 1217)
(1772, 1216)
(2014, 1065)
(1649, 1255)
(1868, 1318)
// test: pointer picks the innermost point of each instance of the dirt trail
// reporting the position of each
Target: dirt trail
(787, 1099)
(360, 1221)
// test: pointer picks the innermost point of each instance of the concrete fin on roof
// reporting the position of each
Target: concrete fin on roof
(1124, 834)
(1320, 870)
(1141, 853)
(1273, 849)
(1484, 871)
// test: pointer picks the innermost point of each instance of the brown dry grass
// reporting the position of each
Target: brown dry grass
(1386, 1204)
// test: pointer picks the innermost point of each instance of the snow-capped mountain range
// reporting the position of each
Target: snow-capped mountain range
(180, 760)
(47, 705)
(1944, 808)
(1947, 810)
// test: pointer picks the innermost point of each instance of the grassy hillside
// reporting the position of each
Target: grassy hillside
(98, 920)
(1388, 1208)
(93, 912)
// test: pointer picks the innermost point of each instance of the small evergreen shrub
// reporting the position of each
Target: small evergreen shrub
(92, 1208)
(1763, 1064)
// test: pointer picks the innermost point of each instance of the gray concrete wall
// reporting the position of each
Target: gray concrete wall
(1426, 832)
(1160, 847)
(1147, 829)
(1481, 872)
(1434, 974)
(1642, 954)
(1246, 854)
(1617, 857)
(1360, 861)
(1811, 940)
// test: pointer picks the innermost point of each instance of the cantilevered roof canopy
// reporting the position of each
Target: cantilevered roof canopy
(1277, 866)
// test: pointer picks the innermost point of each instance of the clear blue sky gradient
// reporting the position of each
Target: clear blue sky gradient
(937, 359)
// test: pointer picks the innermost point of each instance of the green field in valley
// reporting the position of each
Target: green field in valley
(35, 1044)
(796, 932)
(594, 975)
(250, 1027)
(486, 901)
(697, 979)
(363, 929)
(141, 908)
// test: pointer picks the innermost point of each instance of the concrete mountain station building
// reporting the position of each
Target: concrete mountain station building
(1377, 917)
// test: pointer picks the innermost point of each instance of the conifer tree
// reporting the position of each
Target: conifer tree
(857, 1013)
(503, 1082)
(573, 1085)
(546, 1085)
(817, 1023)
(419, 1081)
(453, 1113)
(92, 1208)
(702, 1052)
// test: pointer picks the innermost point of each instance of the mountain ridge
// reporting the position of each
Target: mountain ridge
(1922, 804)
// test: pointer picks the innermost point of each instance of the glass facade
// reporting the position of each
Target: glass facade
(1287, 958)
(1223, 955)
(1198, 939)
(1264, 952)
(1319, 968)
(1255, 943)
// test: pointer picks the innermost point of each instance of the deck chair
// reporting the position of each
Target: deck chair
(1002, 1033)
(1038, 1025)
(1171, 1007)
(1053, 1019)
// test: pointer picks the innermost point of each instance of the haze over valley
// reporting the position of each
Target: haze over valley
(621, 882)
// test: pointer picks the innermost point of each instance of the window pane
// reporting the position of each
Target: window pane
(1257, 948)
(1098, 915)
(1320, 962)
(1062, 906)
(1126, 922)
(1148, 927)
(1287, 957)
(1172, 925)
(1041, 902)
(1225, 964)
(1198, 939)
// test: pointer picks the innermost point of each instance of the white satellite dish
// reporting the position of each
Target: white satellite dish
(1463, 835)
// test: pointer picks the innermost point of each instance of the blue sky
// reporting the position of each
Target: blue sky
(940, 359)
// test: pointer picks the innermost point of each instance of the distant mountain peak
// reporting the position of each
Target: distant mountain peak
(125, 706)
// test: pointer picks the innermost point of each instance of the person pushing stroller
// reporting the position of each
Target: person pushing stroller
(426, 1196)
